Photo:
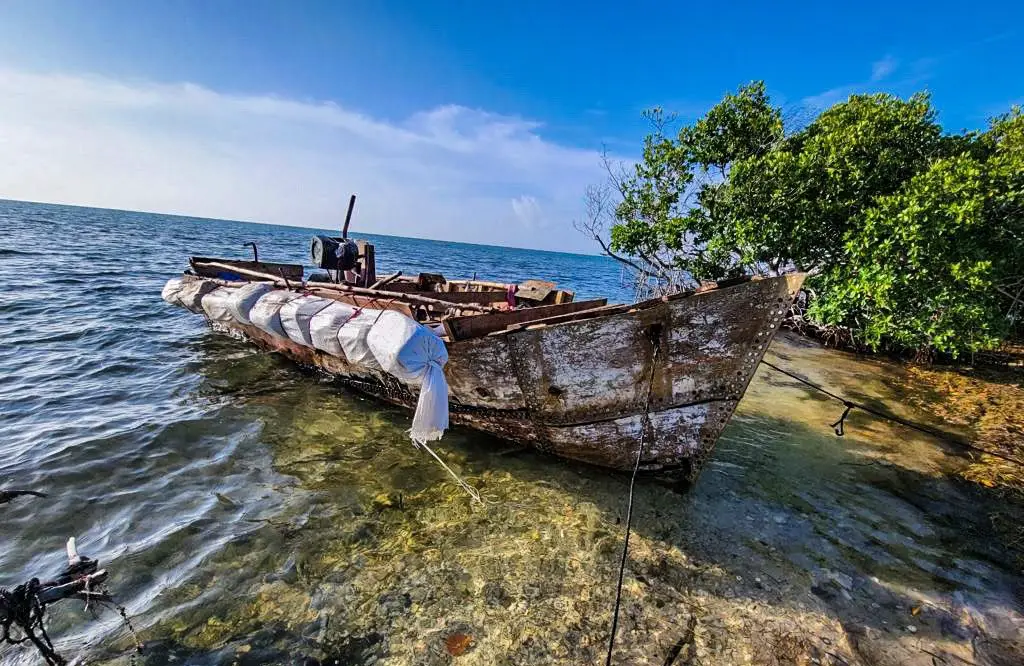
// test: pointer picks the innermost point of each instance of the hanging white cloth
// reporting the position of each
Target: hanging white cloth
(414, 353)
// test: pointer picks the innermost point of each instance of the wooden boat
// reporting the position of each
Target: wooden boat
(529, 363)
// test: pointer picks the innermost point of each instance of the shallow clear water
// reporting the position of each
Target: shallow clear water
(250, 512)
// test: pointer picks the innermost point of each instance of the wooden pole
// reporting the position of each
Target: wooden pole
(383, 281)
(379, 293)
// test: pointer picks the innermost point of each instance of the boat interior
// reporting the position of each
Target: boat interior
(459, 309)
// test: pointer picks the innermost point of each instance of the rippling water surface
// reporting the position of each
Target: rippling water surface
(252, 513)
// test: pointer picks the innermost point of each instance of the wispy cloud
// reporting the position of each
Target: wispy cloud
(881, 74)
(881, 69)
(450, 172)
(825, 99)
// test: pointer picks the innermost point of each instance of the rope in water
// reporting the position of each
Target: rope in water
(851, 405)
(644, 424)
(465, 486)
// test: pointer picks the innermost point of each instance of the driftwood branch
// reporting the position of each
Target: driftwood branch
(23, 608)
(362, 291)
(77, 581)
(8, 495)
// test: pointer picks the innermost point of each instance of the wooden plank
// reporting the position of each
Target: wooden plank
(482, 297)
(462, 328)
(293, 272)
(427, 281)
(369, 302)
(368, 264)
(535, 290)
(564, 296)
(571, 316)
(708, 346)
(362, 291)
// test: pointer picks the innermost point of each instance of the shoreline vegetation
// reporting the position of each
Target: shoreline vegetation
(912, 238)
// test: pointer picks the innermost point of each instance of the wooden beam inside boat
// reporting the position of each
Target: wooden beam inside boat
(362, 291)
(463, 328)
(568, 316)
(202, 267)
(368, 302)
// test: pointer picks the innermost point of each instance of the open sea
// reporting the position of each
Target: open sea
(251, 512)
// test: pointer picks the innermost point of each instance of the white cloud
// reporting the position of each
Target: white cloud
(528, 210)
(881, 69)
(451, 172)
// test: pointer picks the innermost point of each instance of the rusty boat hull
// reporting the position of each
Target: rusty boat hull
(577, 385)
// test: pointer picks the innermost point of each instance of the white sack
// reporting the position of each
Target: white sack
(414, 353)
(171, 291)
(295, 316)
(191, 294)
(215, 305)
(352, 337)
(266, 313)
(324, 326)
(245, 297)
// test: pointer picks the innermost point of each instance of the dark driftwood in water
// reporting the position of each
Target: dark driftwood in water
(78, 580)
(23, 608)
(7, 495)
(379, 293)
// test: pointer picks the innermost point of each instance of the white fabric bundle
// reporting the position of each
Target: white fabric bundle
(191, 294)
(266, 313)
(216, 305)
(171, 291)
(242, 300)
(352, 337)
(296, 314)
(324, 326)
(414, 353)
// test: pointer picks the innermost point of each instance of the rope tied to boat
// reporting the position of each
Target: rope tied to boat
(470, 490)
(851, 405)
(645, 424)
(838, 425)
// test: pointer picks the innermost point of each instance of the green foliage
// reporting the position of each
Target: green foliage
(914, 238)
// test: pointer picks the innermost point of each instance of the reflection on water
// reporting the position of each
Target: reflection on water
(251, 512)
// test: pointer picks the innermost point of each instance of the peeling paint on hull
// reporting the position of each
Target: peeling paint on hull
(577, 389)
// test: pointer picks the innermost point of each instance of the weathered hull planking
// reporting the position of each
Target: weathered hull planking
(578, 388)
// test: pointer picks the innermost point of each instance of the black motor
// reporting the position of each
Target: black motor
(334, 254)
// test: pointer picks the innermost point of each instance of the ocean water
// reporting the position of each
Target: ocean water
(249, 512)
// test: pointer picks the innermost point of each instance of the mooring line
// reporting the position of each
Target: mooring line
(644, 424)
(465, 486)
(850, 405)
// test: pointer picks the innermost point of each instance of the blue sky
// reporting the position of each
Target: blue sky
(421, 92)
